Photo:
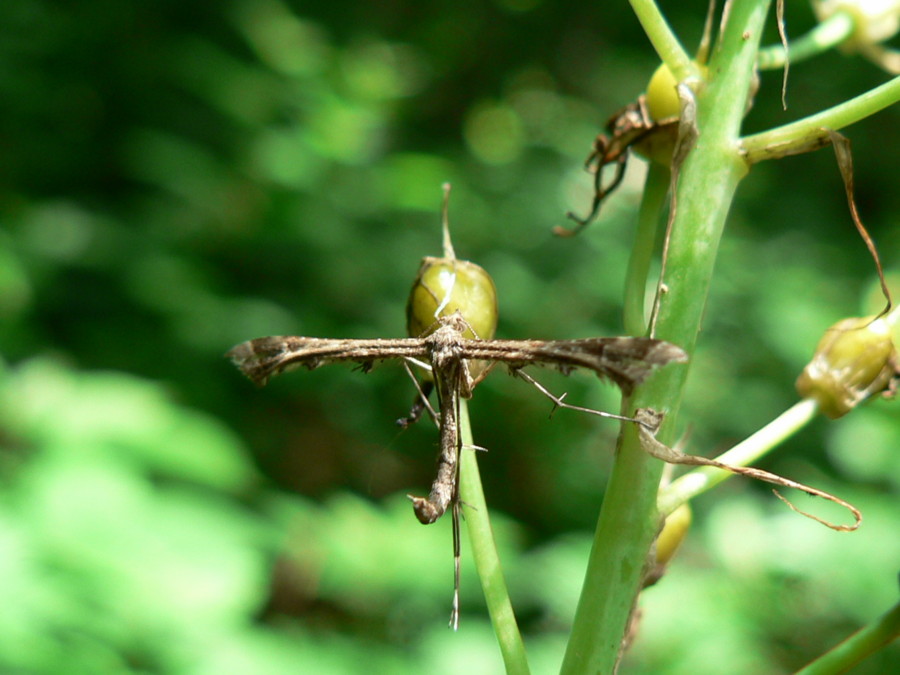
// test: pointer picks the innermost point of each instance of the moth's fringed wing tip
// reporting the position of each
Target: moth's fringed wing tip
(670, 353)
(237, 353)
(658, 353)
(244, 356)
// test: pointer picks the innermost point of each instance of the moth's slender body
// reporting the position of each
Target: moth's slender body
(447, 367)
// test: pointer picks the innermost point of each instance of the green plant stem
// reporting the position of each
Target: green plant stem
(656, 186)
(858, 646)
(663, 39)
(484, 553)
(826, 35)
(629, 520)
(811, 132)
(752, 448)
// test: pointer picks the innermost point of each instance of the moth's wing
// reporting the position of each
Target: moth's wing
(261, 358)
(627, 361)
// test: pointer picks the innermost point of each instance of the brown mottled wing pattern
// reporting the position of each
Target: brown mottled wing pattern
(627, 361)
(261, 358)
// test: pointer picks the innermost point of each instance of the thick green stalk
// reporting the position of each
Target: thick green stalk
(484, 552)
(656, 187)
(629, 520)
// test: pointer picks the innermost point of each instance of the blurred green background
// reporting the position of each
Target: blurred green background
(177, 177)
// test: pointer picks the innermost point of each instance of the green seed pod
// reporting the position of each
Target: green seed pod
(446, 285)
(855, 359)
(662, 99)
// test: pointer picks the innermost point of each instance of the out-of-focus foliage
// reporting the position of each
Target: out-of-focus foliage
(179, 177)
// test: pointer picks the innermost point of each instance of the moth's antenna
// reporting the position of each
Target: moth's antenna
(445, 223)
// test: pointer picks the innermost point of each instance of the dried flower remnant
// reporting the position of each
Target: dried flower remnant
(624, 129)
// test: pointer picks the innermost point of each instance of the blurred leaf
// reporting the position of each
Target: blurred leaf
(116, 417)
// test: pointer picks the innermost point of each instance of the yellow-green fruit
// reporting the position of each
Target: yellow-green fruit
(855, 359)
(444, 286)
(662, 99)
(663, 107)
(673, 533)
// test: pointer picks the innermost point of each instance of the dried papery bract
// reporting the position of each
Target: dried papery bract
(844, 158)
(686, 139)
(813, 140)
(782, 35)
(652, 419)
(855, 359)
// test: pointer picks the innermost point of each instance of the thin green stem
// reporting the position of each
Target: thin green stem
(484, 552)
(663, 39)
(811, 132)
(629, 520)
(858, 646)
(656, 186)
(826, 35)
(749, 450)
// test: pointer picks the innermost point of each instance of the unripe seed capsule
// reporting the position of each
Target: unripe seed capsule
(855, 359)
(662, 99)
(446, 285)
